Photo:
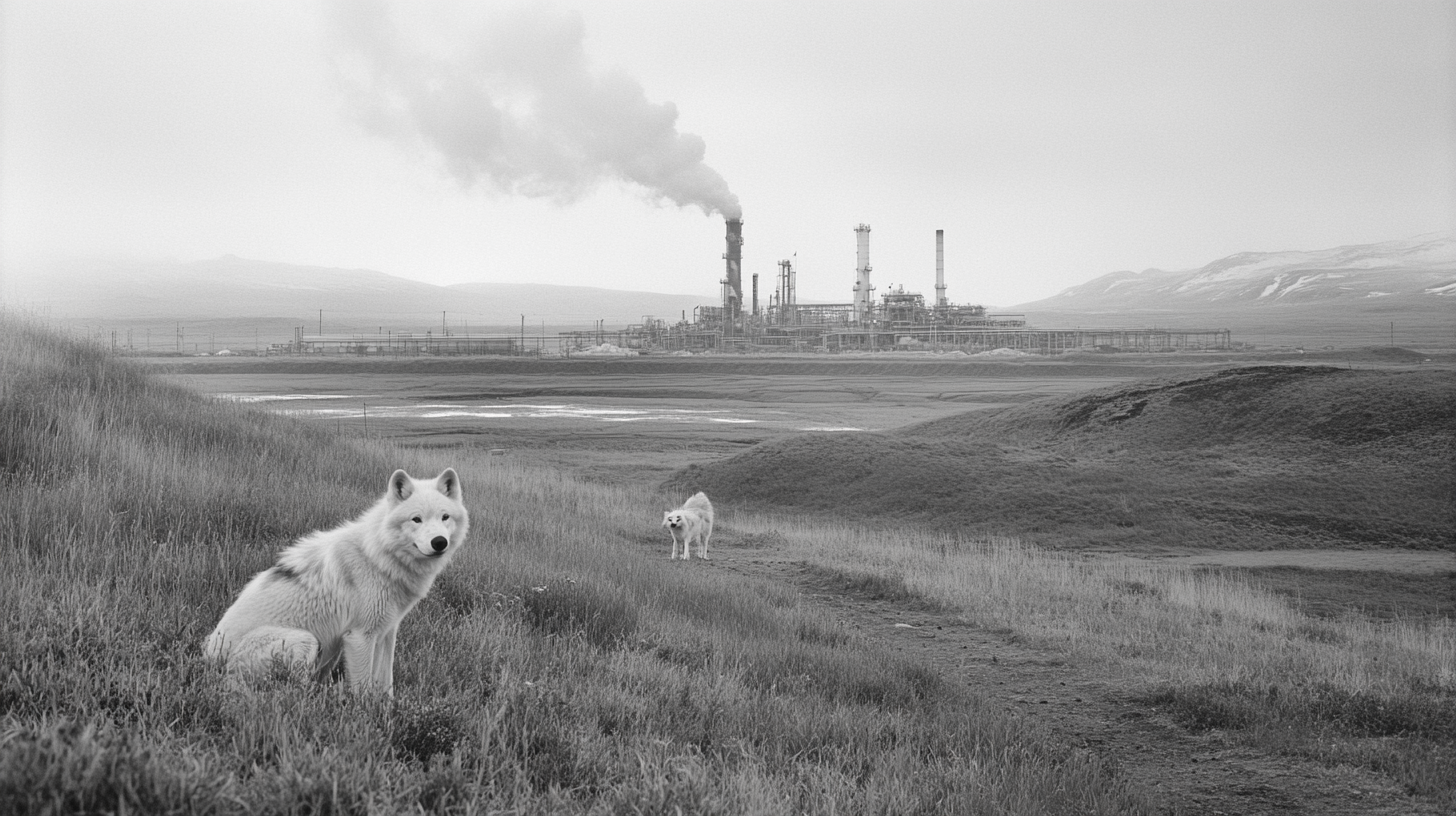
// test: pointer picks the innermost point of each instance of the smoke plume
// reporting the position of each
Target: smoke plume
(513, 104)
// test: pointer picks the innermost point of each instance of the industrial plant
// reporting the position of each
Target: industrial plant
(745, 322)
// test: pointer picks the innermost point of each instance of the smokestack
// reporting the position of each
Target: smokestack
(864, 297)
(940, 268)
(755, 294)
(733, 294)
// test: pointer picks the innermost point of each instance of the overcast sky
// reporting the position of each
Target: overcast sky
(598, 143)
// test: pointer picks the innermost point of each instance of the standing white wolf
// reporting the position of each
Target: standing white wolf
(694, 520)
(341, 593)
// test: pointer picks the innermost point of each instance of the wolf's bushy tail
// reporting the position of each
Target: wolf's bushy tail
(699, 502)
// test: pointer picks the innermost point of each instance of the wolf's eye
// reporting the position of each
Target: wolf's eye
(416, 519)
(444, 517)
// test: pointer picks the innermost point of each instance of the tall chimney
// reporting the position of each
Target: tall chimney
(864, 297)
(733, 293)
(793, 283)
(940, 268)
(755, 295)
(786, 290)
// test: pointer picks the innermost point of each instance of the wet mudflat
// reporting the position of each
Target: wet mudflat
(668, 403)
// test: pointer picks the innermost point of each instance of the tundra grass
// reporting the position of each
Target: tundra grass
(1217, 650)
(561, 665)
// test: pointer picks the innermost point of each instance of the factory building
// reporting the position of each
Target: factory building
(896, 320)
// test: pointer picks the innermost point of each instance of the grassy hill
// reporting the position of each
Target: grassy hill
(1258, 457)
(563, 665)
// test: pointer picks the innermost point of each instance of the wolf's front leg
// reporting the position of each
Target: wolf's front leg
(384, 662)
(359, 650)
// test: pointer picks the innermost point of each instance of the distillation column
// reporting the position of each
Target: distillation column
(940, 300)
(864, 293)
(785, 293)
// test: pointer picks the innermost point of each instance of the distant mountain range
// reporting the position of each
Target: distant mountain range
(233, 287)
(1415, 273)
(1358, 289)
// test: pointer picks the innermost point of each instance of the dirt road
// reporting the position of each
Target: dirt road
(1195, 774)
(1386, 560)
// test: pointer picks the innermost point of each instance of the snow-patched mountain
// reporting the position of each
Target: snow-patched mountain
(1415, 271)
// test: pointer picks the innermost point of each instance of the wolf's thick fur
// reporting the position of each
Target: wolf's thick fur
(694, 520)
(341, 593)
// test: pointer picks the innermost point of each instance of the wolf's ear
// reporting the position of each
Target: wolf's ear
(449, 483)
(400, 486)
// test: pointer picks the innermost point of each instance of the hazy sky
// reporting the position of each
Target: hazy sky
(584, 142)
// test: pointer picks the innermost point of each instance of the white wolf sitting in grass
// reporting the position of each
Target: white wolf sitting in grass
(694, 520)
(341, 593)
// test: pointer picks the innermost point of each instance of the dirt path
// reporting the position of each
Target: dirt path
(1186, 773)
(1385, 560)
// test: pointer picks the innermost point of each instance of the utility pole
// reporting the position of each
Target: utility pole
(321, 322)
(523, 335)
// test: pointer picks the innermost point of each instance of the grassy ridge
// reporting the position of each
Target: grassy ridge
(561, 665)
(1213, 649)
(1245, 458)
